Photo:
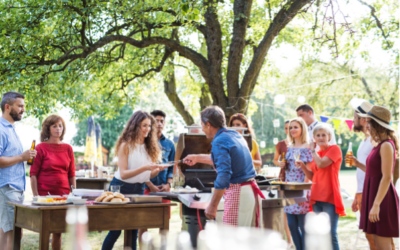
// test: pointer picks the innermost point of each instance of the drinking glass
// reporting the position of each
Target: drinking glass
(115, 188)
(296, 155)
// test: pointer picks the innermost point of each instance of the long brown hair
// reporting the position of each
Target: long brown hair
(48, 122)
(377, 130)
(243, 119)
(131, 135)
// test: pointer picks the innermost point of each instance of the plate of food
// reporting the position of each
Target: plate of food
(185, 190)
(110, 198)
(43, 201)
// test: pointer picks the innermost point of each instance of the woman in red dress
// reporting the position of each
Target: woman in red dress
(380, 202)
(53, 170)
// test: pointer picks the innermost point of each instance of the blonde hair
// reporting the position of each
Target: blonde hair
(304, 131)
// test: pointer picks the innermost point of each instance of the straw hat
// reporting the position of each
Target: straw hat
(363, 109)
(381, 115)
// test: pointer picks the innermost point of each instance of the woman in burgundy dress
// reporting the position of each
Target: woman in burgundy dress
(53, 170)
(380, 209)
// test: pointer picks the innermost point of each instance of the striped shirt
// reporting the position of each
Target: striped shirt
(10, 145)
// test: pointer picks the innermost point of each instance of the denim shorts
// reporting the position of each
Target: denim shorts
(8, 193)
(128, 188)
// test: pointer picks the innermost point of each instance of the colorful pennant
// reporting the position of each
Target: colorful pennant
(349, 124)
(336, 123)
(324, 118)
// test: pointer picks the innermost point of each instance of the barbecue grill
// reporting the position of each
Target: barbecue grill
(202, 177)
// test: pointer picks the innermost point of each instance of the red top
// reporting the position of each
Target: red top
(53, 166)
(326, 186)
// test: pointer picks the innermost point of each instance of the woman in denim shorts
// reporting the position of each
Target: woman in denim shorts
(138, 151)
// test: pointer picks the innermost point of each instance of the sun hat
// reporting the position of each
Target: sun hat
(381, 115)
(363, 109)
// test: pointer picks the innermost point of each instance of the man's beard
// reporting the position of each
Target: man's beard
(15, 115)
(358, 128)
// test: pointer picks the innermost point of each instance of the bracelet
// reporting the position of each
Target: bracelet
(169, 184)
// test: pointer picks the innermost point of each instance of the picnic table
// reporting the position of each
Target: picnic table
(51, 219)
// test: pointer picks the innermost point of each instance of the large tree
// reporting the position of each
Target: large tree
(91, 55)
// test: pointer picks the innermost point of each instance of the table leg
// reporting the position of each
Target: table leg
(128, 238)
(166, 219)
(17, 238)
(44, 240)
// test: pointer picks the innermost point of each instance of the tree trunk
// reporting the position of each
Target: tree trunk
(170, 91)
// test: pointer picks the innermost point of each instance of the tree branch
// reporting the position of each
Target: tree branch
(241, 9)
(213, 39)
(282, 18)
(184, 51)
(378, 22)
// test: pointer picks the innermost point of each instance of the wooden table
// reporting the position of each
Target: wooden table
(51, 219)
(92, 183)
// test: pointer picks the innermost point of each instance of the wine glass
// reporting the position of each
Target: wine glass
(296, 155)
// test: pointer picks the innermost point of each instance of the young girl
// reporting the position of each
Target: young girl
(298, 146)
(138, 151)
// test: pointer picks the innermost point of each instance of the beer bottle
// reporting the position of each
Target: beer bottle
(30, 162)
(349, 162)
(283, 159)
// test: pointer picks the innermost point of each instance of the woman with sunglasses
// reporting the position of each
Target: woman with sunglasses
(239, 120)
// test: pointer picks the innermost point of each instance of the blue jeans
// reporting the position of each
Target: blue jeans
(296, 227)
(125, 188)
(329, 208)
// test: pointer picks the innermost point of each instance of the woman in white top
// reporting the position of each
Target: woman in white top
(138, 152)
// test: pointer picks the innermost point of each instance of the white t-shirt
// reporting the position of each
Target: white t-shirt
(363, 151)
(310, 134)
(137, 158)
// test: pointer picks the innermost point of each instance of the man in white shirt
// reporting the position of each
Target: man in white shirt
(364, 149)
(306, 112)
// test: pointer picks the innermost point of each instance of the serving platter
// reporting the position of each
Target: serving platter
(50, 203)
(112, 203)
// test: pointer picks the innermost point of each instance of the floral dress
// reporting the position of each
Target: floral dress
(294, 174)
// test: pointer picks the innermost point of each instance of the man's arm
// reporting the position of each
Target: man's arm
(211, 210)
(6, 162)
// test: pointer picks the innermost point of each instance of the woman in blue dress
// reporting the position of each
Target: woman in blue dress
(298, 147)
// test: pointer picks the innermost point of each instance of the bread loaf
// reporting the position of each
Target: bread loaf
(116, 200)
(119, 195)
(108, 198)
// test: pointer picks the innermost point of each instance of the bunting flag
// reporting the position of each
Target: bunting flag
(324, 118)
(336, 123)
(349, 124)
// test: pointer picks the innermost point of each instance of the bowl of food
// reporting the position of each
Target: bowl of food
(79, 201)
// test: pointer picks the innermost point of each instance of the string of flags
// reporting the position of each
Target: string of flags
(336, 121)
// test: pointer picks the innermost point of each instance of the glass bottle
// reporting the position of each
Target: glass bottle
(349, 162)
(30, 161)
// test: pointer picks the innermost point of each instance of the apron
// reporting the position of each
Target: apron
(233, 206)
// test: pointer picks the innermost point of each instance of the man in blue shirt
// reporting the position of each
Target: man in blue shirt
(12, 169)
(231, 157)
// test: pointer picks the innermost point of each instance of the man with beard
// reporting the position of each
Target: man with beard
(12, 169)
(364, 149)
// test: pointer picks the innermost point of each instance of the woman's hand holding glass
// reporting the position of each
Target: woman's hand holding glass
(299, 164)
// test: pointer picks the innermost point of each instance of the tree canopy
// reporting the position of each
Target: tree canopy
(93, 55)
